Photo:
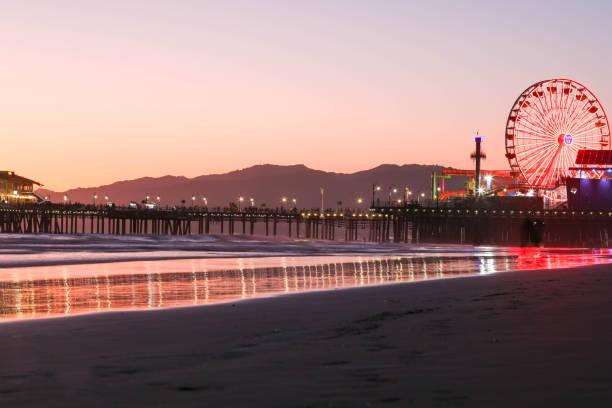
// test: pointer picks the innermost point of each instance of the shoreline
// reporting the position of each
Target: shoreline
(274, 295)
(55, 291)
(538, 337)
(246, 300)
(49, 250)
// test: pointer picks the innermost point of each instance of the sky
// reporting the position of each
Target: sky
(93, 92)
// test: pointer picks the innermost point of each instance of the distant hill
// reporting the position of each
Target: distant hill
(266, 184)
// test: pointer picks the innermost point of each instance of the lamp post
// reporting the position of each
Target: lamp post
(294, 202)
(283, 201)
(65, 198)
(193, 198)
(95, 197)
(394, 190)
(322, 200)
(359, 201)
(375, 188)
(407, 194)
(252, 202)
(240, 200)
(205, 201)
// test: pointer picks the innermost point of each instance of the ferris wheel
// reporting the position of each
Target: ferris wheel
(549, 122)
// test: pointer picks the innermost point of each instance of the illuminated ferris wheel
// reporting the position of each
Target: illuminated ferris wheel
(549, 122)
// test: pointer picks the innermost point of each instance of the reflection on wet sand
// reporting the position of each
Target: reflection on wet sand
(51, 291)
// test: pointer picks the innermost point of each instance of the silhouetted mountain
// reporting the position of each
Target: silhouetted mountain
(267, 184)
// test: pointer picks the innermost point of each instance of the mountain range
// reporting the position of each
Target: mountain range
(267, 184)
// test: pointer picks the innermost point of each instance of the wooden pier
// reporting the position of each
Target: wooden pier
(409, 224)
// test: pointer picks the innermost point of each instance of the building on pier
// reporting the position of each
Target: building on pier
(591, 186)
(17, 189)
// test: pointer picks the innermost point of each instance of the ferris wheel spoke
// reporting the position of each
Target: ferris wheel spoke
(586, 133)
(571, 108)
(541, 133)
(573, 149)
(540, 105)
(539, 113)
(551, 107)
(581, 116)
(527, 133)
(538, 156)
(568, 158)
(581, 111)
(535, 144)
(585, 124)
(565, 96)
(578, 110)
(531, 109)
(586, 147)
(544, 167)
(537, 147)
(535, 158)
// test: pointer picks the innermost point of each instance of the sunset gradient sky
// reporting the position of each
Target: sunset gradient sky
(93, 92)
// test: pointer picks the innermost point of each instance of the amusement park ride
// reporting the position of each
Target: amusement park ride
(550, 125)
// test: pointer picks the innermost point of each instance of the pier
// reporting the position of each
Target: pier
(406, 224)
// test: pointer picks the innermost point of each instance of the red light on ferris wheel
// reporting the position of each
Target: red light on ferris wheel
(547, 125)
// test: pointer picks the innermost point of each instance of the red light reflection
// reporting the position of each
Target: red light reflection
(52, 291)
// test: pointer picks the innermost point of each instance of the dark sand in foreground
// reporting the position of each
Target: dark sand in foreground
(535, 338)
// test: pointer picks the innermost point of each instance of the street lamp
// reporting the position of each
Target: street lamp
(294, 201)
(240, 200)
(394, 190)
(252, 202)
(408, 194)
(65, 198)
(359, 201)
(205, 201)
(193, 198)
(375, 188)
(95, 198)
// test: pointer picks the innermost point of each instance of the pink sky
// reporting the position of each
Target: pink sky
(95, 92)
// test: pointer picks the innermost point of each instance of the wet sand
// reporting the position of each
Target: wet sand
(529, 338)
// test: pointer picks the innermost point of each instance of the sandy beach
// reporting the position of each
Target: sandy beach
(529, 338)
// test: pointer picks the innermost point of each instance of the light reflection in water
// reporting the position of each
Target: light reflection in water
(50, 291)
